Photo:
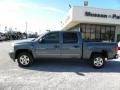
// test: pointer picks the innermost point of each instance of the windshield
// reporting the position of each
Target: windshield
(40, 36)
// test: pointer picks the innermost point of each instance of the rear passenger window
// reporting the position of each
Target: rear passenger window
(70, 37)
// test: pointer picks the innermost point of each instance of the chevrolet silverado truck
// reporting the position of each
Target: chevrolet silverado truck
(63, 45)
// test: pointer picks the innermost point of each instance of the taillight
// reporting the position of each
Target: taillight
(116, 49)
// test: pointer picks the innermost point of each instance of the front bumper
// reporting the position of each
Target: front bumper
(12, 55)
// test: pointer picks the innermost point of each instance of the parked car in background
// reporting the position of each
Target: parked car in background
(63, 44)
(2, 37)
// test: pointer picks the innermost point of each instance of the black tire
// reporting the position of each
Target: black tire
(24, 59)
(98, 61)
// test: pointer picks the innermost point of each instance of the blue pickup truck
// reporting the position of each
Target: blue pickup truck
(63, 44)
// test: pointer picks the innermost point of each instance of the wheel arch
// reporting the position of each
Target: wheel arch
(22, 50)
(104, 53)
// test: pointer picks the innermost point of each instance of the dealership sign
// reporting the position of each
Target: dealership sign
(113, 16)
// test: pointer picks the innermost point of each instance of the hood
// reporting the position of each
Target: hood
(26, 41)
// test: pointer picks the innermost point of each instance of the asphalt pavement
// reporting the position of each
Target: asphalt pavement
(56, 74)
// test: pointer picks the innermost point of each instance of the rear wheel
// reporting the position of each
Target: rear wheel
(24, 59)
(98, 61)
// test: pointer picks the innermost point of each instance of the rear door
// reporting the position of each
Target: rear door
(71, 45)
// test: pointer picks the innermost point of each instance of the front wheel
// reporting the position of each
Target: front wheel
(98, 61)
(24, 59)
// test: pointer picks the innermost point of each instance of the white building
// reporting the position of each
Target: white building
(94, 23)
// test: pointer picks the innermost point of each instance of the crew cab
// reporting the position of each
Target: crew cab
(63, 44)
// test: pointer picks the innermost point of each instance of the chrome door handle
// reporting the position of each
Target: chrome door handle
(76, 46)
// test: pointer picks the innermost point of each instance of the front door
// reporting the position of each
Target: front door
(49, 46)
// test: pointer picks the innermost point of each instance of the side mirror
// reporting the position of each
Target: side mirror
(40, 40)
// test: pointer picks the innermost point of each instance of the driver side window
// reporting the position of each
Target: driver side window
(51, 38)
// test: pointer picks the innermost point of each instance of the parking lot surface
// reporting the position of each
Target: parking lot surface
(56, 74)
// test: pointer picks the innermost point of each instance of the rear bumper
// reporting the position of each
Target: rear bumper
(116, 56)
(12, 55)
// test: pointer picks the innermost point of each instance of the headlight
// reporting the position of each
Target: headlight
(12, 47)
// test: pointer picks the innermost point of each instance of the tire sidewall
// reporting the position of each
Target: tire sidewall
(96, 56)
(30, 59)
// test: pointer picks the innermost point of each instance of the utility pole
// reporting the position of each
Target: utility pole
(6, 29)
(26, 24)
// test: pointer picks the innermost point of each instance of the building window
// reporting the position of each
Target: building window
(112, 34)
(94, 32)
(98, 33)
(103, 33)
(118, 37)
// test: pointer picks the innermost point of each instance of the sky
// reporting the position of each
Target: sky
(41, 15)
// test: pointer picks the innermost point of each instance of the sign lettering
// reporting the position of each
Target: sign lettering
(113, 16)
